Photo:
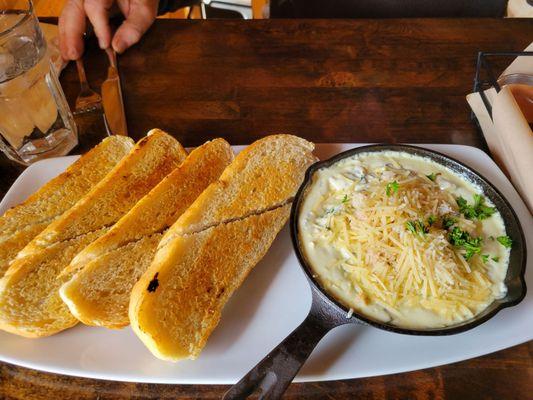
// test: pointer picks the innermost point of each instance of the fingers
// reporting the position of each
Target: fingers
(140, 14)
(71, 29)
(98, 13)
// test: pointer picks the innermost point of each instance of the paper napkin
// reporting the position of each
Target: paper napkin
(508, 133)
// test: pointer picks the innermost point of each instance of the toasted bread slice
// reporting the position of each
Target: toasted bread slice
(263, 176)
(206, 254)
(29, 292)
(30, 305)
(152, 158)
(99, 293)
(20, 224)
(179, 300)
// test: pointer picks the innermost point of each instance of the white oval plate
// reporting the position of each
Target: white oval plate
(271, 303)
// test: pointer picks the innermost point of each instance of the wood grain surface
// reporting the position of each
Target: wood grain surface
(343, 80)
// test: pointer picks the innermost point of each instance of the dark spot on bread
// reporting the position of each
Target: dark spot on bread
(154, 283)
(221, 292)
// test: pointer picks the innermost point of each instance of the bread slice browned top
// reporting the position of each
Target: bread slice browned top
(99, 293)
(178, 302)
(20, 224)
(205, 256)
(263, 176)
(152, 158)
(29, 292)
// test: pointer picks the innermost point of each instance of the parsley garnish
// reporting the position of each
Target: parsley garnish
(411, 226)
(417, 226)
(345, 198)
(479, 210)
(432, 177)
(485, 258)
(495, 259)
(505, 241)
(448, 222)
(392, 187)
(462, 239)
(431, 220)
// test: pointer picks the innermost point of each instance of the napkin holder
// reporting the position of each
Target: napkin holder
(508, 134)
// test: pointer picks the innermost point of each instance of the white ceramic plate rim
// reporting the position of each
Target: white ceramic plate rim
(353, 361)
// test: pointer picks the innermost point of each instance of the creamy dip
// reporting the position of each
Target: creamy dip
(404, 240)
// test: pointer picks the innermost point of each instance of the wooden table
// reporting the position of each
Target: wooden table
(325, 80)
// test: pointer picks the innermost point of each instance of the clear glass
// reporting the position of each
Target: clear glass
(35, 120)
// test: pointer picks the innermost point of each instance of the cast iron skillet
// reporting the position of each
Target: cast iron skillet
(271, 376)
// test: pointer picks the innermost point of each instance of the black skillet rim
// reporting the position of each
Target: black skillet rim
(436, 157)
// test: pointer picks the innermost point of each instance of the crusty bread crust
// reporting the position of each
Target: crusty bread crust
(29, 299)
(204, 257)
(20, 224)
(99, 293)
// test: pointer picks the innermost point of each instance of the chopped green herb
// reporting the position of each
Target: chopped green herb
(345, 198)
(461, 202)
(458, 237)
(485, 258)
(411, 227)
(495, 259)
(432, 177)
(431, 220)
(479, 210)
(505, 241)
(392, 187)
(472, 247)
(417, 226)
(448, 222)
(483, 210)
(462, 239)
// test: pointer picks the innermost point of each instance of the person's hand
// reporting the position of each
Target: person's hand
(139, 14)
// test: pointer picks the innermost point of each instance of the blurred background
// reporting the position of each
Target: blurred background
(258, 9)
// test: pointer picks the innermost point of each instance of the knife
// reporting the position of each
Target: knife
(114, 115)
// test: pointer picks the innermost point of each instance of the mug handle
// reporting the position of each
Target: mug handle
(272, 375)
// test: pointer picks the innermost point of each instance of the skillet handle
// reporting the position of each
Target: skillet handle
(272, 375)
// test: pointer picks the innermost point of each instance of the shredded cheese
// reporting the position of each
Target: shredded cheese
(364, 221)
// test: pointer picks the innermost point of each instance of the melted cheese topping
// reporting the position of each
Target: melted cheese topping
(354, 226)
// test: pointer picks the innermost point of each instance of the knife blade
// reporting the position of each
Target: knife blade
(114, 115)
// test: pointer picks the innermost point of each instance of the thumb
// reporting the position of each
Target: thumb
(140, 16)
